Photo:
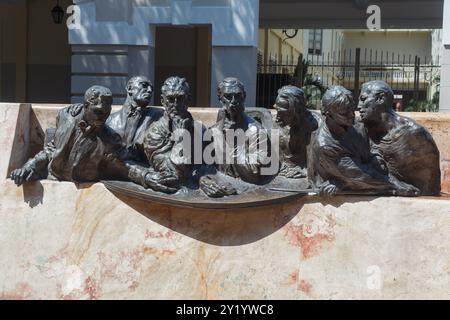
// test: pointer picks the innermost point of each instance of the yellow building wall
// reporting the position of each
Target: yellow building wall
(274, 45)
(396, 42)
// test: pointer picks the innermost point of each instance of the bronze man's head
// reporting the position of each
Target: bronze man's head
(290, 105)
(175, 96)
(140, 91)
(338, 105)
(232, 95)
(376, 97)
(97, 105)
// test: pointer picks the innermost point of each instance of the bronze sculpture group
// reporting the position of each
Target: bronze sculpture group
(381, 151)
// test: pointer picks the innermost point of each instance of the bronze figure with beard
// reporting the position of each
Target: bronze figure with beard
(401, 145)
(240, 159)
(296, 123)
(232, 96)
(165, 140)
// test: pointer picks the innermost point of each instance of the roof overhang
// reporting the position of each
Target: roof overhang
(350, 14)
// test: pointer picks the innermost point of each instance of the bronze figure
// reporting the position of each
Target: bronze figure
(339, 157)
(405, 148)
(81, 140)
(232, 96)
(165, 139)
(240, 158)
(296, 124)
(83, 147)
(166, 150)
(135, 117)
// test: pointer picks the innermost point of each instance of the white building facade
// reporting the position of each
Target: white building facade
(203, 40)
(117, 40)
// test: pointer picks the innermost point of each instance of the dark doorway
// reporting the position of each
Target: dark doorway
(35, 56)
(184, 52)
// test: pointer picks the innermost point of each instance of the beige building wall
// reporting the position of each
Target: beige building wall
(340, 46)
(398, 46)
(274, 46)
(332, 41)
(408, 42)
(436, 51)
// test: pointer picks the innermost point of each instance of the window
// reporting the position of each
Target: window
(260, 61)
(315, 41)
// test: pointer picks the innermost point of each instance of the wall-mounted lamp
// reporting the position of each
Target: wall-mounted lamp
(291, 35)
(57, 13)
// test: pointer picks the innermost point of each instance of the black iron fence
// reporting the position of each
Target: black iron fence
(413, 78)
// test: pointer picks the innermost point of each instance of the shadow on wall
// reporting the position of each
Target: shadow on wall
(33, 193)
(217, 227)
(231, 227)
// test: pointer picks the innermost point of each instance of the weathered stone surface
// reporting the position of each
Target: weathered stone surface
(439, 126)
(59, 242)
(14, 136)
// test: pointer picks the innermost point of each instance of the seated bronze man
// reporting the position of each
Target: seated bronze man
(165, 142)
(243, 147)
(76, 153)
(84, 148)
(401, 145)
(246, 158)
(135, 117)
(339, 156)
(296, 123)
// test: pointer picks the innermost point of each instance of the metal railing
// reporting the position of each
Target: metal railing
(410, 76)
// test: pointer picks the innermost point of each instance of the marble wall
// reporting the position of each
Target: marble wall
(58, 241)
